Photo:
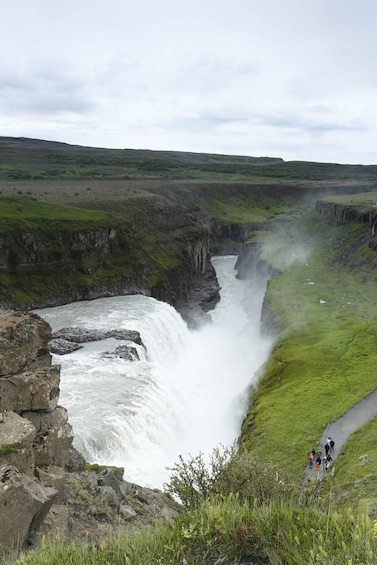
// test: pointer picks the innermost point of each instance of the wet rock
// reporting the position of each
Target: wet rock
(126, 352)
(61, 346)
(84, 335)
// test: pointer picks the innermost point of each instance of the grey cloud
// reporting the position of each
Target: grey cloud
(308, 123)
(42, 92)
(209, 72)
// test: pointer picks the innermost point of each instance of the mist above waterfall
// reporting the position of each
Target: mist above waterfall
(189, 391)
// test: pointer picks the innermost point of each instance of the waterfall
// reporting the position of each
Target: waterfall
(187, 393)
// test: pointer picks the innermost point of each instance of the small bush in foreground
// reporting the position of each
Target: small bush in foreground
(227, 472)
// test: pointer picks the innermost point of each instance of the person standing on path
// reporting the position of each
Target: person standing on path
(327, 461)
(332, 445)
(311, 459)
(318, 462)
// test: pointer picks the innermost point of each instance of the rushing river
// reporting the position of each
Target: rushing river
(188, 393)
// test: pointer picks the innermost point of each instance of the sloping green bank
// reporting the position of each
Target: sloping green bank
(25, 212)
(324, 305)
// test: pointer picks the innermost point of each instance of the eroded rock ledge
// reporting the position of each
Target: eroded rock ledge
(43, 484)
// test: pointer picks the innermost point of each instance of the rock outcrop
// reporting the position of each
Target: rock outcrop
(44, 486)
(149, 246)
(347, 213)
(34, 431)
(26, 248)
(355, 213)
(249, 264)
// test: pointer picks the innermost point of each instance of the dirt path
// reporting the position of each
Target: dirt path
(341, 429)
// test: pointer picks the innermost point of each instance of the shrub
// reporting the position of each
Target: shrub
(227, 473)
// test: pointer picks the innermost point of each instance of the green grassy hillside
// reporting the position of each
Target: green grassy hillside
(22, 158)
(324, 358)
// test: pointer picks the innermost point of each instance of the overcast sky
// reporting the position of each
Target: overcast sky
(278, 78)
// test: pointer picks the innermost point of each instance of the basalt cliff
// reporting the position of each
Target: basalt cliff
(159, 251)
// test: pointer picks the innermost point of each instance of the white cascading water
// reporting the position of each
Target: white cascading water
(187, 394)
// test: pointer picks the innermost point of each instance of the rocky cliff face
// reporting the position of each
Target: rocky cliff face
(30, 247)
(51, 267)
(35, 436)
(352, 213)
(347, 213)
(47, 268)
(250, 265)
(43, 485)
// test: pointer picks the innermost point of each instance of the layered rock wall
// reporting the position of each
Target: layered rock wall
(26, 248)
(351, 213)
(35, 436)
(55, 267)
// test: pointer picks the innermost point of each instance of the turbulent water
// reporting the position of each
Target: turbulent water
(188, 393)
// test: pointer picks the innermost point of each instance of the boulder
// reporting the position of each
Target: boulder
(23, 342)
(126, 352)
(75, 461)
(126, 512)
(31, 390)
(61, 346)
(53, 477)
(54, 439)
(26, 502)
(109, 496)
(107, 478)
(16, 442)
(84, 335)
(57, 525)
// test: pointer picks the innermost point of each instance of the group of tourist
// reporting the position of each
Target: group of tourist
(315, 457)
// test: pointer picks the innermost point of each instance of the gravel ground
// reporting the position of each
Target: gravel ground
(71, 191)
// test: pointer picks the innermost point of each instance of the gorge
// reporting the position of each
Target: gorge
(152, 240)
(187, 394)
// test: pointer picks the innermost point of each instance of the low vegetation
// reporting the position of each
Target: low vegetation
(324, 359)
(237, 510)
(25, 213)
(32, 159)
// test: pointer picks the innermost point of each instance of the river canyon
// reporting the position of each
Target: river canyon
(186, 393)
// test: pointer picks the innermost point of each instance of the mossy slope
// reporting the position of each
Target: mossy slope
(324, 306)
